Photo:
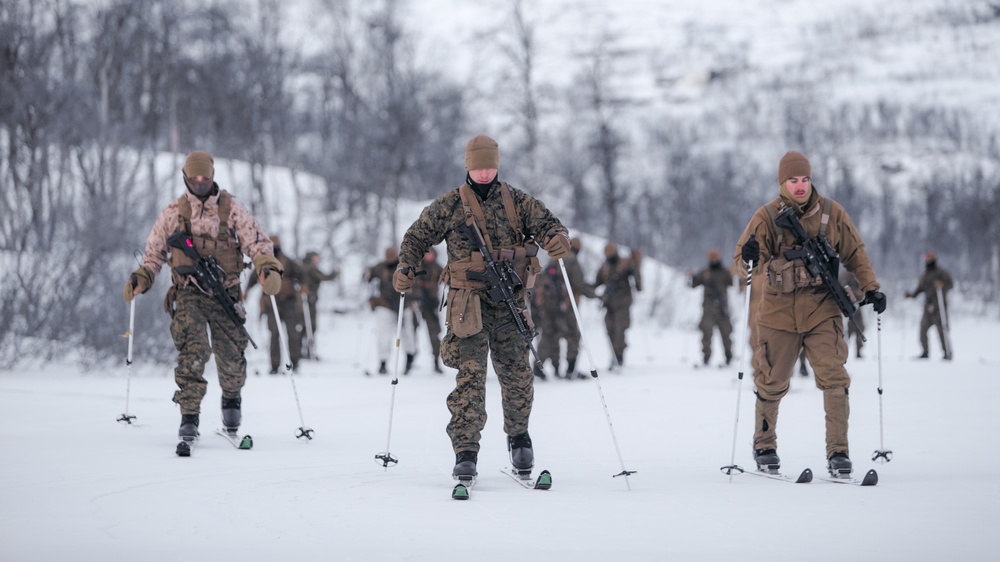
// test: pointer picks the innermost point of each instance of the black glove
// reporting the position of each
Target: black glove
(751, 250)
(876, 299)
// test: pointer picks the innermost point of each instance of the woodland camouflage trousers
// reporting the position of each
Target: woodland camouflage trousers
(195, 313)
(467, 403)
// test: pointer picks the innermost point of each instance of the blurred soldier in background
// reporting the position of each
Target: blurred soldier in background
(714, 305)
(384, 301)
(312, 276)
(556, 319)
(618, 276)
(935, 281)
(289, 309)
(425, 293)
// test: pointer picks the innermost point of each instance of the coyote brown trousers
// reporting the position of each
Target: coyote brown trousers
(774, 361)
(467, 403)
(194, 315)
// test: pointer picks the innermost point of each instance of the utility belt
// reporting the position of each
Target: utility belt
(785, 275)
(524, 260)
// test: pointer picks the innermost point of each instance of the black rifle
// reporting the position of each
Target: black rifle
(501, 282)
(821, 260)
(210, 278)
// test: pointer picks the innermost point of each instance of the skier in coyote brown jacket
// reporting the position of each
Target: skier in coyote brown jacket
(797, 311)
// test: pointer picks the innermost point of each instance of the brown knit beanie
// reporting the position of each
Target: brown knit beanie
(610, 249)
(199, 163)
(714, 255)
(482, 153)
(793, 164)
(391, 254)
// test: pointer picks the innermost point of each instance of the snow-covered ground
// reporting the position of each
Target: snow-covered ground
(76, 485)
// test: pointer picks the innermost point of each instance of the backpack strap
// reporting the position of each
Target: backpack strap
(508, 205)
(824, 219)
(474, 213)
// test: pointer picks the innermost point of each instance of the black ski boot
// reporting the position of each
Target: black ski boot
(381, 369)
(537, 370)
(839, 465)
(409, 363)
(767, 460)
(437, 367)
(231, 414)
(465, 465)
(189, 427)
(522, 456)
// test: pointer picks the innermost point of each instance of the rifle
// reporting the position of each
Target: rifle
(821, 260)
(501, 282)
(209, 276)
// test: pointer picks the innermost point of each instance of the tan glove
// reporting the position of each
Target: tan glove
(269, 273)
(557, 246)
(139, 282)
(402, 280)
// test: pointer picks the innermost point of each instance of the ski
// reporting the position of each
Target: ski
(804, 477)
(870, 479)
(245, 442)
(185, 447)
(543, 482)
(462, 490)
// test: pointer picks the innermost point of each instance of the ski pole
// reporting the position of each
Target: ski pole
(304, 431)
(126, 417)
(881, 454)
(309, 326)
(739, 386)
(593, 373)
(386, 457)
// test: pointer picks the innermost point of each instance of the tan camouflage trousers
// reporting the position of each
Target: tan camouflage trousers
(774, 360)
(290, 312)
(433, 322)
(195, 313)
(926, 321)
(617, 321)
(715, 318)
(557, 325)
(467, 403)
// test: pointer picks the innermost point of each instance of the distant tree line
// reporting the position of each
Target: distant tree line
(93, 95)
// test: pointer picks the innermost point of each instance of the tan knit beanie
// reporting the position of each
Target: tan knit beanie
(714, 255)
(482, 153)
(199, 163)
(793, 164)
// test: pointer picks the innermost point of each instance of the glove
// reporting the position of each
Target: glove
(751, 250)
(269, 273)
(141, 279)
(558, 246)
(402, 279)
(876, 299)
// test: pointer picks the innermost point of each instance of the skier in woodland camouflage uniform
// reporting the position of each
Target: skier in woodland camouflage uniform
(510, 221)
(220, 226)
(312, 276)
(933, 279)
(384, 302)
(618, 275)
(426, 295)
(556, 320)
(850, 281)
(289, 309)
(714, 305)
(797, 310)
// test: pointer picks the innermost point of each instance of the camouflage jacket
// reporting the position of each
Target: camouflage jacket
(617, 279)
(801, 306)
(437, 222)
(291, 280)
(312, 277)
(928, 286)
(252, 240)
(382, 293)
(716, 281)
